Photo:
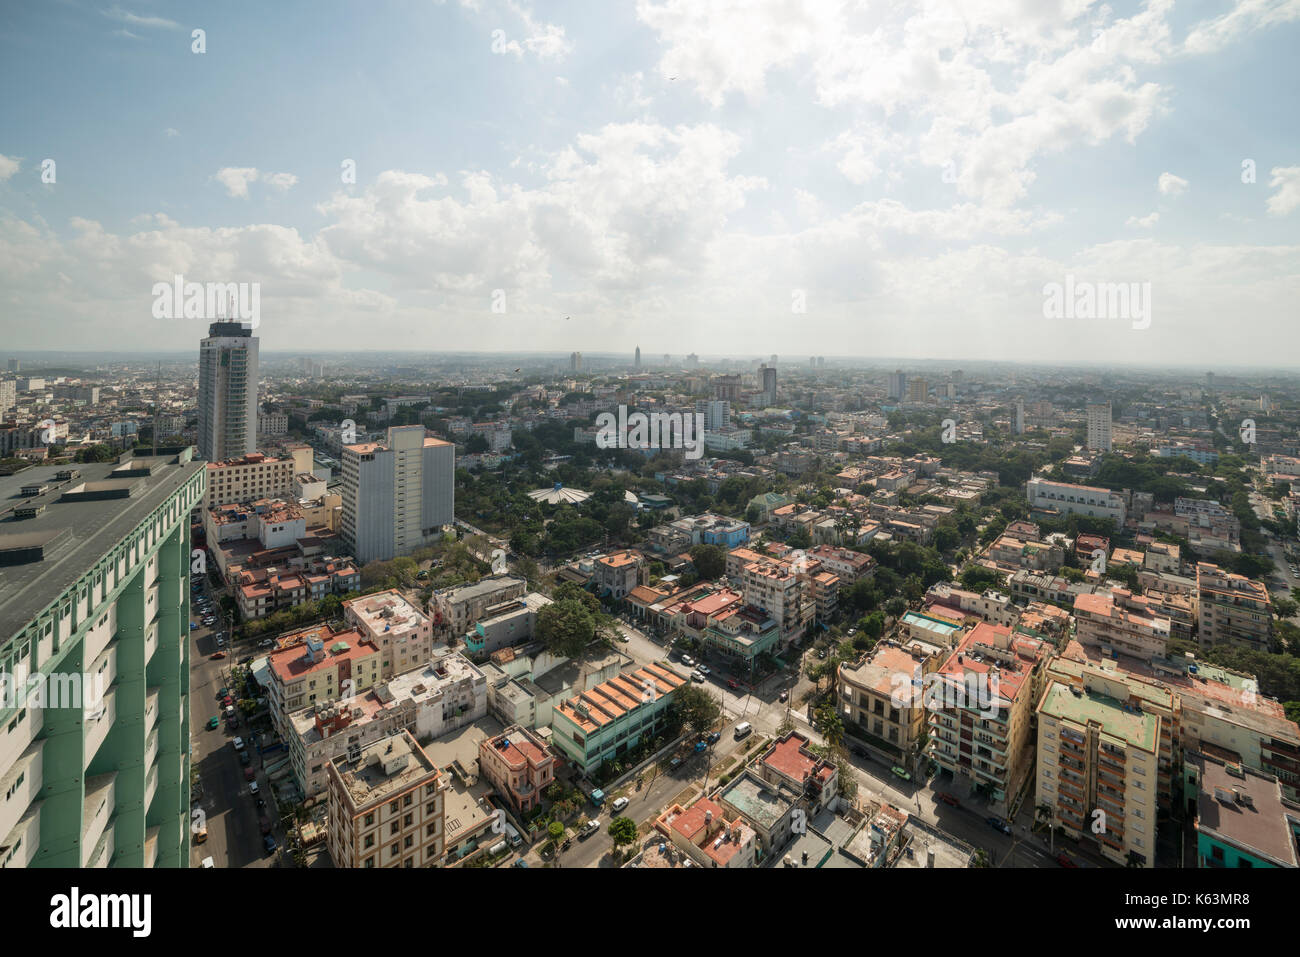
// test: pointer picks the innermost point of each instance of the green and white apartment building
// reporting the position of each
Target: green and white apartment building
(605, 721)
(95, 662)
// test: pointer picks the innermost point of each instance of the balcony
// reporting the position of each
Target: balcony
(97, 812)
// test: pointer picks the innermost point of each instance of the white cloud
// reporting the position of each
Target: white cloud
(8, 166)
(125, 16)
(1286, 180)
(1246, 16)
(281, 181)
(1144, 222)
(236, 179)
(171, 131)
(1171, 185)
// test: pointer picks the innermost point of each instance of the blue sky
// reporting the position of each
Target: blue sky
(669, 173)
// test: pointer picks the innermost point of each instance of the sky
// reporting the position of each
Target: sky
(742, 177)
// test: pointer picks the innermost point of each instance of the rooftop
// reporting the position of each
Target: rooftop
(70, 534)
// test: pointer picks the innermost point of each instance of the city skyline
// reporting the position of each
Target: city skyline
(795, 194)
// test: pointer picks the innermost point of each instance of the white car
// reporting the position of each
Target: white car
(618, 805)
(696, 676)
(239, 744)
(687, 660)
(252, 787)
(703, 669)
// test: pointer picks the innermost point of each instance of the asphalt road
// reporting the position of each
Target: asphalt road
(230, 810)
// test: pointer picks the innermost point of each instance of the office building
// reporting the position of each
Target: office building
(1121, 622)
(94, 618)
(769, 385)
(397, 494)
(1099, 427)
(918, 390)
(386, 806)
(575, 361)
(1020, 417)
(228, 366)
(637, 360)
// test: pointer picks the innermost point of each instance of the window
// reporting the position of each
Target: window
(370, 841)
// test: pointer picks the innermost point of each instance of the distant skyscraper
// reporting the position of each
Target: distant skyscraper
(638, 357)
(898, 385)
(1020, 416)
(1209, 381)
(773, 358)
(15, 365)
(575, 361)
(769, 385)
(1099, 427)
(228, 367)
(692, 360)
(668, 360)
(727, 387)
(918, 390)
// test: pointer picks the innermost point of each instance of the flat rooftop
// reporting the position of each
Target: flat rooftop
(68, 537)
(1261, 826)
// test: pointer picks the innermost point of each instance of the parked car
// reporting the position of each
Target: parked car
(783, 696)
(688, 661)
(858, 751)
(264, 823)
(998, 824)
(239, 744)
(221, 642)
(222, 692)
(201, 835)
(821, 653)
(213, 723)
(675, 763)
(1064, 860)
(252, 787)
(696, 676)
(901, 772)
(618, 805)
(703, 669)
(250, 774)
(732, 683)
(266, 643)
(948, 799)
(268, 842)
(244, 759)
(588, 829)
(713, 736)
(216, 655)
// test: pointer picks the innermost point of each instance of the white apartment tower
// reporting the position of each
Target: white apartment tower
(397, 494)
(1099, 427)
(1020, 416)
(227, 392)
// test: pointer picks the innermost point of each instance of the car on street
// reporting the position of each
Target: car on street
(252, 787)
(704, 670)
(783, 696)
(244, 759)
(1064, 860)
(213, 723)
(200, 835)
(625, 638)
(949, 799)
(222, 692)
(998, 824)
(268, 842)
(688, 661)
(520, 863)
(696, 676)
(618, 805)
(216, 656)
(858, 751)
(194, 626)
(221, 642)
(239, 744)
(264, 823)
(900, 772)
(266, 643)
(733, 684)
(588, 829)
(675, 763)
(713, 736)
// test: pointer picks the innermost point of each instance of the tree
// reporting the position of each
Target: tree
(566, 627)
(623, 831)
(696, 708)
(710, 561)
